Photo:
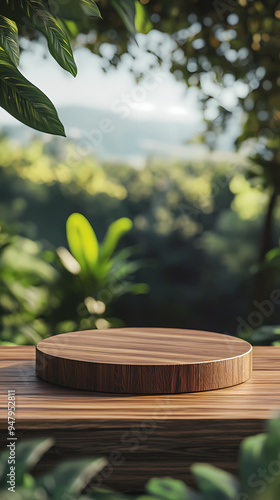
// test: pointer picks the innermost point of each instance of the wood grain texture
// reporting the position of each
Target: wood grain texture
(142, 436)
(144, 360)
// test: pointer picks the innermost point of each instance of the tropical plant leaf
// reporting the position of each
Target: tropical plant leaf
(82, 241)
(123, 269)
(214, 483)
(101, 494)
(28, 453)
(90, 8)
(250, 459)
(143, 22)
(26, 102)
(126, 10)
(69, 9)
(115, 231)
(272, 254)
(70, 478)
(74, 10)
(259, 456)
(23, 494)
(169, 489)
(9, 39)
(35, 14)
(139, 288)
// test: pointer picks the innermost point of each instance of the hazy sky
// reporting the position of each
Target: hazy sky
(158, 96)
(95, 89)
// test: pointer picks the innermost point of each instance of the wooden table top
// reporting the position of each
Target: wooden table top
(144, 346)
(144, 360)
(40, 403)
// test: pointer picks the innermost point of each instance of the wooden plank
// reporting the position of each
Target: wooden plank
(149, 435)
(144, 360)
(255, 398)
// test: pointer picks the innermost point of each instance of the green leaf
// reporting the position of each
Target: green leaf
(265, 335)
(271, 446)
(139, 289)
(26, 102)
(126, 10)
(68, 9)
(90, 8)
(250, 459)
(70, 478)
(23, 494)
(35, 14)
(71, 28)
(74, 10)
(123, 269)
(272, 254)
(259, 457)
(101, 494)
(9, 39)
(28, 453)
(143, 22)
(214, 483)
(169, 489)
(82, 241)
(115, 231)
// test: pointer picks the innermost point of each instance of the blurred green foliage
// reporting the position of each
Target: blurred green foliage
(44, 292)
(196, 225)
(25, 283)
(258, 477)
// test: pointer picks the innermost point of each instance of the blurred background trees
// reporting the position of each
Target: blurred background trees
(206, 229)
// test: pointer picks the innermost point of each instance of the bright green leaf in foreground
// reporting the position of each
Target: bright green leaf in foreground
(68, 479)
(169, 489)
(214, 483)
(28, 453)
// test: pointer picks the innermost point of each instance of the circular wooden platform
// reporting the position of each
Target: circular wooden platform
(144, 360)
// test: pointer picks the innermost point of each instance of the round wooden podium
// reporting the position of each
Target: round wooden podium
(144, 360)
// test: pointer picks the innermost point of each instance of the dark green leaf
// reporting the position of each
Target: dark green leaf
(214, 483)
(28, 453)
(70, 478)
(35, 14)
(259, 464)
(74, 10)
(101, 494)
(9, 39)
(126, 10)
(26, 102)
(250, 459)
(68, 9)
(169, 489)
(272, 254)
(90, 8)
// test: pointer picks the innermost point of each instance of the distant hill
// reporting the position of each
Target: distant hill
(130, 139)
